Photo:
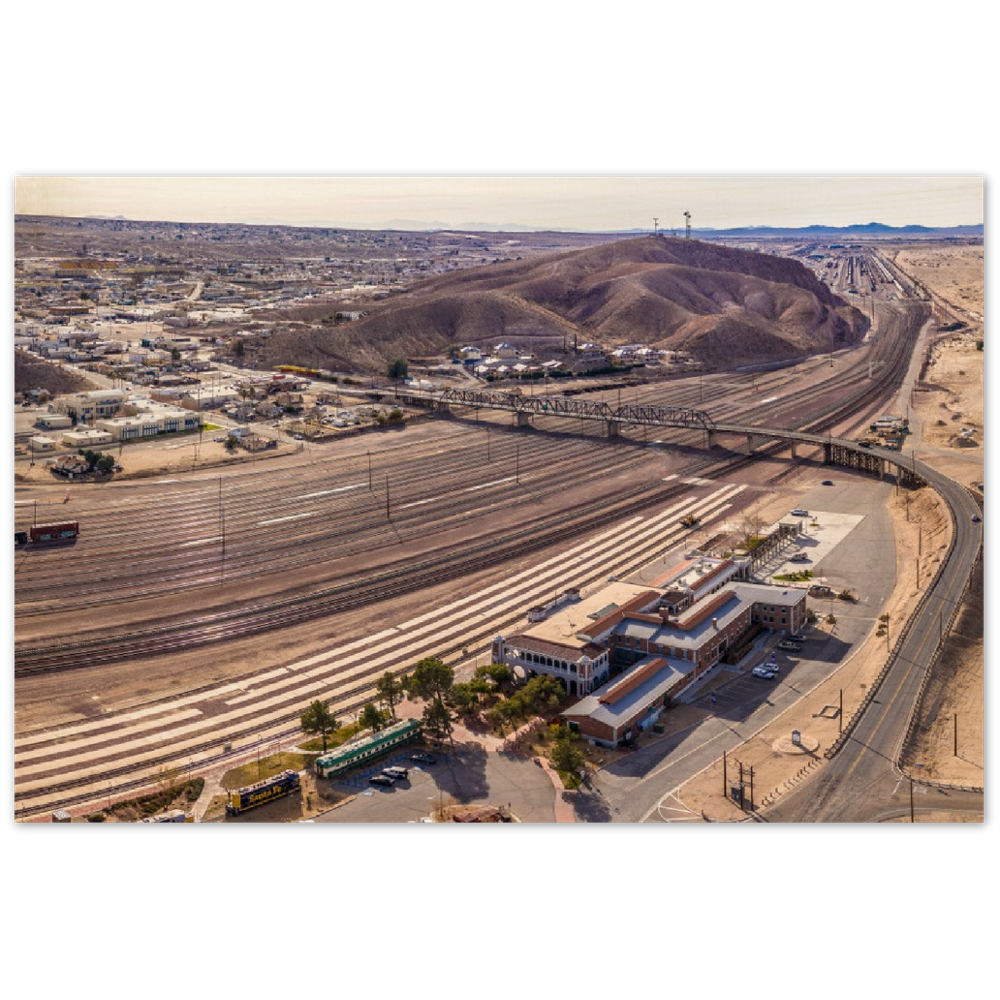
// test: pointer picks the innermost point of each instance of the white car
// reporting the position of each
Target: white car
(764, 672)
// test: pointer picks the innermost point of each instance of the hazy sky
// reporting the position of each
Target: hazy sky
(557, 202)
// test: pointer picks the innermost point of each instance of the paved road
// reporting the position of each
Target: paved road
(861, 782)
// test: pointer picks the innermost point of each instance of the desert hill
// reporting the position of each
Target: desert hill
(35, 373)
(723, 305)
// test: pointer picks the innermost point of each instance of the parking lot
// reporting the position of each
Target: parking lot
(466, 774)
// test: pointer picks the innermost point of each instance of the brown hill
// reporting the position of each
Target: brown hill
(35, 373)
(725, 306)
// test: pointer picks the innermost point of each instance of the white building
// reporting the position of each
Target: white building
(87, 406)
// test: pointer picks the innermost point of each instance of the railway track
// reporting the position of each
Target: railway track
(351, 670)
(275, 532)
(351, 691)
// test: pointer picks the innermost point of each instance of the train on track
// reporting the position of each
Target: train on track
(251, 796)
(353, 754)
(66, 531)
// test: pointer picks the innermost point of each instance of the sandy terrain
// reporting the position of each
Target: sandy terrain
(948, 397)
(779, 765)
(181, 455)
(952, 271)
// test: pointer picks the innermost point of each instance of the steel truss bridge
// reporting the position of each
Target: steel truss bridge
(836, 451)
(559, 406)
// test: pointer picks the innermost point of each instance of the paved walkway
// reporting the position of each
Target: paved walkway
(212, 787)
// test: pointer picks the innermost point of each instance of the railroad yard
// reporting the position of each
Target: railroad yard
(201, 609)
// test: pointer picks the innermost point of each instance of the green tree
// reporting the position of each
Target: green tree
(543, 693)
(465, 698)
(390, 692)
(230, 443)
(437, 721)
(105, 463)
(372, 717)
(565, 755)
(398, 369)
(431, 680)
(318, 720)
(499, 675)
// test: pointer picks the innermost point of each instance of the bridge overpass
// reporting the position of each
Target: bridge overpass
(836, 451)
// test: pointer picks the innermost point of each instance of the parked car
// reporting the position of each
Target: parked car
(799, 512)
(381, 779)
(800, 557)
(396, 773)
(789, 645)
(976, 517)
(796, 637)
(764, 672)
(423, 758)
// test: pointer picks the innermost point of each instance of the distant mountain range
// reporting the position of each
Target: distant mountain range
(708, 232)
(815, 231)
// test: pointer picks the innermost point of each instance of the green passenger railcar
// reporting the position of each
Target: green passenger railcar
(354, 754)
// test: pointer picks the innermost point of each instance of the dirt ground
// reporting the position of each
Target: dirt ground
(952, 271)
(778, 764)
(949, 396)
(181, 455)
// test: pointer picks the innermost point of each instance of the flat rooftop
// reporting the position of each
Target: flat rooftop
(563, 625)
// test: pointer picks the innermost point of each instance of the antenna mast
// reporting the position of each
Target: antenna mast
(687, 222)
(655, 221)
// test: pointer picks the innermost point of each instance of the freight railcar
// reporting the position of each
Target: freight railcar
(64, 532)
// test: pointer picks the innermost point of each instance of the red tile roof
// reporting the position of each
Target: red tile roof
(703, 610)
(612, 619)
(632, 680)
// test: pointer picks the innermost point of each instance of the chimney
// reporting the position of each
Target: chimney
(715, 624)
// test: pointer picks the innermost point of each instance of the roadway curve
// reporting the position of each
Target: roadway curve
(863, 781)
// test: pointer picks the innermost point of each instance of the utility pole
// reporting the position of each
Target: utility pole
(751, 789)
(387, 515)
(725, 782)
(741, 784)
(911, 800)
(954, 719)
(840, 715)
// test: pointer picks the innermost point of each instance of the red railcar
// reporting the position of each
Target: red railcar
(65, 531)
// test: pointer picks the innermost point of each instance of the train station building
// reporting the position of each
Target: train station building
(629, 649)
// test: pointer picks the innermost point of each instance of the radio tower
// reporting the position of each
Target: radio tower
(687, 225)
(655, 221)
